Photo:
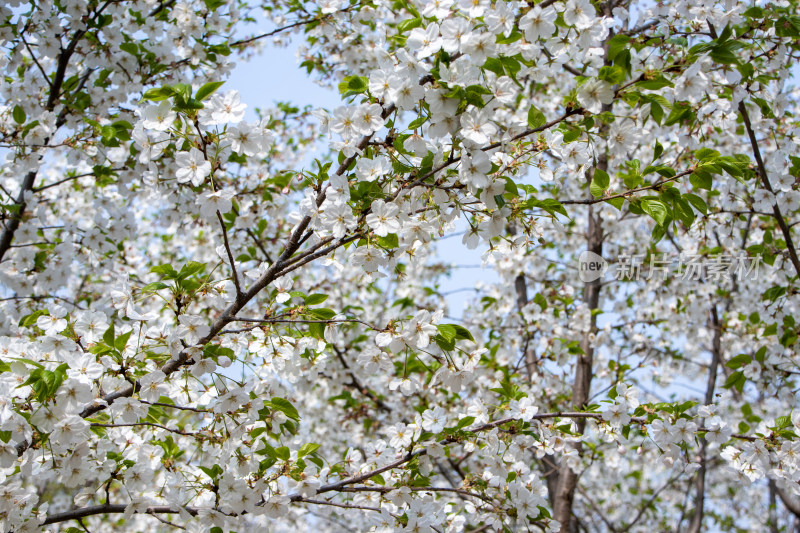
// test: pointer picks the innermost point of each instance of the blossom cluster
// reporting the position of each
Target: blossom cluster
(208, 329)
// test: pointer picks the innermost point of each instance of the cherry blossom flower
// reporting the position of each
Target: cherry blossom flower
(192, 167)
(383, 218)
(159, 117)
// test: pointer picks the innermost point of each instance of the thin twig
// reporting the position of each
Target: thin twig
(627, 193)
(239, 293)
(134, 424)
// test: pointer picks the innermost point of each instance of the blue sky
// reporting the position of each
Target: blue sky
(275, 75)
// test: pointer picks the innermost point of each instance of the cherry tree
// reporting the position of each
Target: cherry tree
(209, 326)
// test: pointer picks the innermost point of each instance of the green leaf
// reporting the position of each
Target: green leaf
(612, 74)
(600, 182)
(571, 133)
(551, 205)
(108, 336)
(190, 269)
(754, 12)
(536, 118)
(322, 313)
(701, 179)
(463, 333)
(214, 472)
(408, 25)
(307, 449)
(788, 26)
(158, 93)
(734, 166)
(353, 85)
(18, 114)
(445, 343)
(448, 331)
(183, 91)
(657, 151)
(208, 89)
(212, 5)
(165, 271)
(267, 450)
(286, 407)
(697, 202)
(283, 453)
(494, 65)
(774, 293)
(474, 95)
(655, 84)
(315, 299)
(389, 242)
(122, 341)
(679, 113)
(28, 321)
(513, 37)
(739, 361)
(465, 422)
(706, 154)
(131, 48)
(656, 209)
(735, 380)
(761, 353)
(725, 52)
(416, 123)
(512, 66)
(316, 330)
(683, 211)
(783, 422)
(616, 45)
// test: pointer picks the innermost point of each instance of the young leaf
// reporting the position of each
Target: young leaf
(536, 118)
(208, 89)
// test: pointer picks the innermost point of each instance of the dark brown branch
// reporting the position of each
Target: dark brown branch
(109, 508)
(179, 407)
(762, 172)
(239, 293)
(69, 178)
(581, 386)
(357, 383)
(336, 504)
(35, 60)
(151, 424)
(279, 320)
(788, 501)
(700, 479)
(384, 489)
(491, 146)
(259, 244)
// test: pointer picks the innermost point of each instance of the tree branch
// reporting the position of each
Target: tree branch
(239, 293)
(762, 172)
(109, 508)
